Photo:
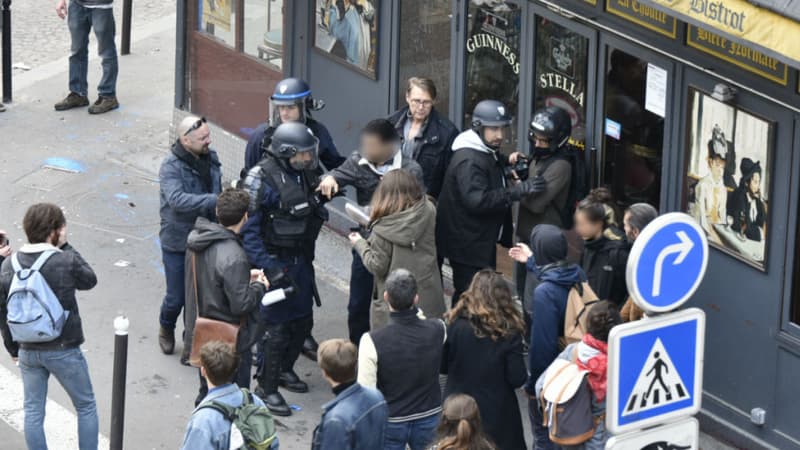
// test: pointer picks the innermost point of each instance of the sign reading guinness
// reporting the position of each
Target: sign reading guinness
(646, 16)
(486, 40)
(738, 54)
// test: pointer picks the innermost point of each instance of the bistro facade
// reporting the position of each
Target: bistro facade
(690, 105)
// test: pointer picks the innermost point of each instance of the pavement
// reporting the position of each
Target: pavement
(103, 171)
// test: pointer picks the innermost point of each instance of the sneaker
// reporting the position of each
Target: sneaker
(104, 104)
(2, 107)
(73, 100)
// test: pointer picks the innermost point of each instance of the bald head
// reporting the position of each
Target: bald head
(194, 134)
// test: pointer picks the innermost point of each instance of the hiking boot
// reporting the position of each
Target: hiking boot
(73, 100)
(104, 104)
(292, 383)
(275, 402)
(310, 348)
(166, 340)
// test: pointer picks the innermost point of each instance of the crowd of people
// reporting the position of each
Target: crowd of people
(414, 371)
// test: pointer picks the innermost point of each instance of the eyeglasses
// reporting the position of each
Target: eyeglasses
(418, 102)
(196, 125)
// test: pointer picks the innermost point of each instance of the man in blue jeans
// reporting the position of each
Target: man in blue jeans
(65, 271)
(82, 16)
(190, 179)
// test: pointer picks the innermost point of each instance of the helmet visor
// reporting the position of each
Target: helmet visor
(283, 111)
(306, 158)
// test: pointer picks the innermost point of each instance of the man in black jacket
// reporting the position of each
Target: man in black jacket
(220, 281)
(427, 136)
(65, 271)
(474, 209)
(380, 153)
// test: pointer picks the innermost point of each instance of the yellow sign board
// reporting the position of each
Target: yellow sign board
(644, 15)
(741, 19)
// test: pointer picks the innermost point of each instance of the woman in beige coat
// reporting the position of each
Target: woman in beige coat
(402, 236)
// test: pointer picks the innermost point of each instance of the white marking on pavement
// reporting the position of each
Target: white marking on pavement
(60, 423)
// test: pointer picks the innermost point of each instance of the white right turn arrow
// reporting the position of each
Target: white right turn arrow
(682, 248)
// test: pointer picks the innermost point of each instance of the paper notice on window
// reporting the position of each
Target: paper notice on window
(656, 94)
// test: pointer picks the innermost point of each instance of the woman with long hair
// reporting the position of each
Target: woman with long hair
(483, 356)
(402, 236)
(460, 427)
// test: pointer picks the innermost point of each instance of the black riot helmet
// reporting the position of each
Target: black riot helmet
(490, 113)
(552, 123)
(295, 143)
(293, 92)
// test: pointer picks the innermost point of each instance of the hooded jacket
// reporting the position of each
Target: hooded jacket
(224, 291)
(356, 171)
(404, 240)
(474, 208)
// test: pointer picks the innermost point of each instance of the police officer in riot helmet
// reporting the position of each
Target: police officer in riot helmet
(285, 219)
(480, 185)
(292, 102)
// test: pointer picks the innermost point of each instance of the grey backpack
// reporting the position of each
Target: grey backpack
(566, 402)
(34, 312)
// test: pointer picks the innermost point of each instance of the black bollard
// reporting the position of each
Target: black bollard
(118, 382)
(127, 7)
(7, 51)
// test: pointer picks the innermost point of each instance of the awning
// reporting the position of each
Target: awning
(774, 31)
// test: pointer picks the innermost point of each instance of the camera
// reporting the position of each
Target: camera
(518, 171)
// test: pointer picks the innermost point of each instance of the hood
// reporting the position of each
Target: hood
(548, 244)
(564, 275)
(406, 227)
(471, 140)
(206, 233)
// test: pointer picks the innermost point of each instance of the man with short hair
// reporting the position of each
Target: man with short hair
(356, 418)
(208, 429)
(402, 360)
(220, 282)
(83, 16)
(380, 153)
(64, 271)
(190, 180)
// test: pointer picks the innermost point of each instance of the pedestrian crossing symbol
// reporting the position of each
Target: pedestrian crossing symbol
(655, 370)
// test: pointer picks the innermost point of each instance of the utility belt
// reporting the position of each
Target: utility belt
(285, 254)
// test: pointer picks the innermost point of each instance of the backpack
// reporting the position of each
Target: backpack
(566, 402)
(252, 427)
(580, 300)
(35, 314)
(579, 184)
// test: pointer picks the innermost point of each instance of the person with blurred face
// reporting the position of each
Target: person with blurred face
(636, 217)
(190, 178)
(427, 136)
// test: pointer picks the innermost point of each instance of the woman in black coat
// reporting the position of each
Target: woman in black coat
(483, 356)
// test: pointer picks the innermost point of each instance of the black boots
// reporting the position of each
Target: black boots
(292, 383)
(276, 342)
(310, 348)
(166, 340)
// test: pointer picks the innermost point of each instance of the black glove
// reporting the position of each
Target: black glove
(538, 184)
(533, 185)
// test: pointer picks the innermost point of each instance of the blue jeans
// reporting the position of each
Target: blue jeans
(361, 284)
(81, 20)
(541, 435)
(418, 434)
(174, 266)
(70, 369)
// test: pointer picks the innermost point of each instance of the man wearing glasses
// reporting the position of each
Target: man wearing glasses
(190, 178)
(427, 136)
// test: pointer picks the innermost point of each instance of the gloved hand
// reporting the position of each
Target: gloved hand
(538, 184)
(533, 185)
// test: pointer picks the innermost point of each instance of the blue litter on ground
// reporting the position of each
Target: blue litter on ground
(121, 196)
(66, 164)
(295, 407)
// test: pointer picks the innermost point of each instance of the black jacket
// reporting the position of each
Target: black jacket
(432, 147)
(356, 172)
(604, 262)
(223, 282)
(65, 272)
(489, 371)
(474, 209)
(328, 154)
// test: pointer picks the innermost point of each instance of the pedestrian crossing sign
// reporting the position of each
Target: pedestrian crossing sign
(655, 370)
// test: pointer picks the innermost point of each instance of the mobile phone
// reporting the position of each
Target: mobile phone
(3, 240)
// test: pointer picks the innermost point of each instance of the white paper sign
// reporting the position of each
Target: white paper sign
(656, 94)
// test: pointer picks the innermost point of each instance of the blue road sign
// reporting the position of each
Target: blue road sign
(655, 370)
(667, 263)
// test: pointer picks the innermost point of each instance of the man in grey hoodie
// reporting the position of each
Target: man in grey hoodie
(219, 282)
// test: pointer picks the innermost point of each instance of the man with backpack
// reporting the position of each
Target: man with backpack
(546, 260)
(36, 283)
(548, 133)
(229, 417)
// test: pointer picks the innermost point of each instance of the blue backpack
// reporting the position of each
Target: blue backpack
(34, 312)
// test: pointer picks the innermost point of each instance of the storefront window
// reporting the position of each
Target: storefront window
(561, 74)
(795, 312)
(425, 34)
(263, 30)
(217, 18)
(634, 136)
(493, 38)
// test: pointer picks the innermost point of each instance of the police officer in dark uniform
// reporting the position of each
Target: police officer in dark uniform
(286, 218)
(292, 102)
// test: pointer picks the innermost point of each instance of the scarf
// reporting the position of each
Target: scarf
(593, 357)
(201, 165)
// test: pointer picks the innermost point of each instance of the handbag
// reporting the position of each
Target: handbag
(208, 330)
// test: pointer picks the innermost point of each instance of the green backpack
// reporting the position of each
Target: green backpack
(252, 427)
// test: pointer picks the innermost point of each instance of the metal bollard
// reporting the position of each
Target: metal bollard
(125, 44)
(7, 51)
(118, 382)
